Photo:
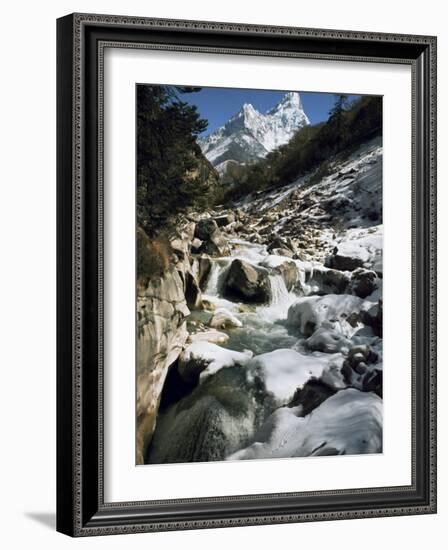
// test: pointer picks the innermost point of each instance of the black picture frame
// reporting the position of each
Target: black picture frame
(81, 510)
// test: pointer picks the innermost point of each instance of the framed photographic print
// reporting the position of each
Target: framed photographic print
(246, 274)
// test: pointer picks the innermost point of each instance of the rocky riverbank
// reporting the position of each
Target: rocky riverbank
(263, 336)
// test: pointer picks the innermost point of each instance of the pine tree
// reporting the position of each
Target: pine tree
(171, 174)
(337, 119)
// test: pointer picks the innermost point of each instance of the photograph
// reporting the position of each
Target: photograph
(246, 233)
(259, 267)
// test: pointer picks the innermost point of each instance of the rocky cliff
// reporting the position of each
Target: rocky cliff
(162, 310)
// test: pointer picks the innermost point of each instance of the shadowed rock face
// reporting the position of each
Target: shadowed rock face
(247, 282)
(313, 393)
(162, 310)
(161, 335)
(216, 418)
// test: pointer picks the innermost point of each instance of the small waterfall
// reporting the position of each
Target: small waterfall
(280, 301)
(211, 288)
(214, 283)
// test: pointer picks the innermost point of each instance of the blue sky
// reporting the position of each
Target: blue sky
(217, 105)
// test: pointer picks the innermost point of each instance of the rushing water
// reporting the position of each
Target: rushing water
(263, 327)
(220, 415)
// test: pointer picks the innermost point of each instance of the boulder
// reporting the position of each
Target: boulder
(217, 245)
(214, 243)
(214, 420)
(202, 359)
(363, 371)
(343, 263)
(224, 219)
(205, 229)
(289, 272)
(322, 280)
(327, 340)
(364, 282)
(340, 312)
(279, 242)
(283, 266)
(247, 282)
(283, 371)
(255, 238)
(212, 336)
(223, 319)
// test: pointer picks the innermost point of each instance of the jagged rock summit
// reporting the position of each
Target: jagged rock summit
(250, 135)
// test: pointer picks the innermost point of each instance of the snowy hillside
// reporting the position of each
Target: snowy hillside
(250, 135)
(349, 196)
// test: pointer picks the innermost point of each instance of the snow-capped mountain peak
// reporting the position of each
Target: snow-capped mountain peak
(247, 108)
(250, 135)
(289, 100)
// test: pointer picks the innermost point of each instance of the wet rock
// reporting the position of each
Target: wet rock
(223, 319)
(265, 231)
(289, 272)
(247, 282)
(255, 238)
(373, 381)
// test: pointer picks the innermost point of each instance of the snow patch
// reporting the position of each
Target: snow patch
(311, 312)
(205, 359)
(350, 422)
(285, 370)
